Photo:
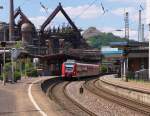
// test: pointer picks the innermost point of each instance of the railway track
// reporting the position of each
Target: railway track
(93, 87)
(57, 92)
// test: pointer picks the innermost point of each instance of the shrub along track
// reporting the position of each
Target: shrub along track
(57, 92)
(93, 87)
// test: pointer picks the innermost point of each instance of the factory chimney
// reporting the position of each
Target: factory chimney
(127, 25)
(143, 39)
(140, 27)
(11, 20)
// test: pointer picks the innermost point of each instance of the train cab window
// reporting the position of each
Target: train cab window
(69, 67)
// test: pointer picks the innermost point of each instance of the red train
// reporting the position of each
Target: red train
(72, 69)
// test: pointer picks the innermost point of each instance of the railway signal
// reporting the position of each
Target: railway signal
(125, 53)
(125, 56)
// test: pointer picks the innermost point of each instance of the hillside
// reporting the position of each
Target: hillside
(91, 32)
(96, 39)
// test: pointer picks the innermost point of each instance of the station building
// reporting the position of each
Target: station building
(136, 56)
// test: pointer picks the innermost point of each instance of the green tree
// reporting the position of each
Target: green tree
(18, 44)
(104, 39)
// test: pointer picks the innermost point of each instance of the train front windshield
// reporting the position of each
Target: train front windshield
(69, 67)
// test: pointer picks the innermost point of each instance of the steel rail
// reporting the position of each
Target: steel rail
(115, 98)
(76, 103)
(54, 97)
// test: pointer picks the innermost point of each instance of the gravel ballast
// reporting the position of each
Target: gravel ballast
(98, 105)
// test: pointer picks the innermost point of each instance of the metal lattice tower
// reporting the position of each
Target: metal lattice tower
(140, 27)
(126, 25)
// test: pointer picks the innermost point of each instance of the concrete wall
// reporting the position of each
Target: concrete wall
(126, 92)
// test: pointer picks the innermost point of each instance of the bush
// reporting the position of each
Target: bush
(32, 73)
(17, 76)
(1, 77)
(130, 75)
(103, 69)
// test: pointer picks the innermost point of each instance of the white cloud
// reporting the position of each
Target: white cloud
(133, 33)
(133, 13)
(92, 13)
(38, 21)
(83, 12)
(128, 1)
(121, 11)
(147, 11)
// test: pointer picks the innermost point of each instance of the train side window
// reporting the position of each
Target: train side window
(78, 68)
(85, 68)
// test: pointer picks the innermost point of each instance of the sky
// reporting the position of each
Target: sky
(84, 14)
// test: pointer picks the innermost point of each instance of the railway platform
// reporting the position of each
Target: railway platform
(25, 98)
(137, 90)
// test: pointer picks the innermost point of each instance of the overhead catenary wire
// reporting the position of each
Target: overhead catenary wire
(103, 8)
(44, 7)
(141, 7)
(91, 4)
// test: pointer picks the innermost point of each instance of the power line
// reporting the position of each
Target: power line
(103, 8)
(44, 7)
(85, 10)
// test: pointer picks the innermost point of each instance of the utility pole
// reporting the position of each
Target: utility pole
(125, 49)
(139, 27)
(11, 20)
